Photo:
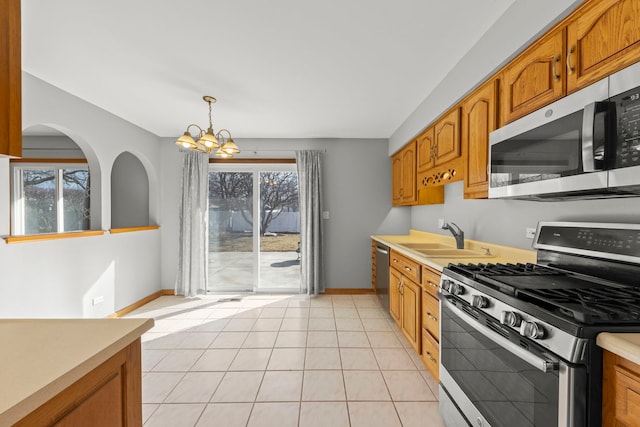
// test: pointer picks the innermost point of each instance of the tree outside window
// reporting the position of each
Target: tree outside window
(51, 199)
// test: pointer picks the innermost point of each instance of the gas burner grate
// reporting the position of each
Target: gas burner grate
(477, 271)
(492, 275)
(589, 305)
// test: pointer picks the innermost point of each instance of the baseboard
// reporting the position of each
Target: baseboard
(347, 291)
(128, 309)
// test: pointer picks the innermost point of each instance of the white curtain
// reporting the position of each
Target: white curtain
(192, 257)
(309, 164)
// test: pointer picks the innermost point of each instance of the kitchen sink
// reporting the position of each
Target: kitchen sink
(425, 246)
(451, 253)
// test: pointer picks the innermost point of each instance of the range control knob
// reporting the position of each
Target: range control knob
(456, 289)
(478, 301)
(510, 318)
(531, 330)
(452, 287)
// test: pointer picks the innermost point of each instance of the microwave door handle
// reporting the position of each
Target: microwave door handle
(535, 361)
(588, 120)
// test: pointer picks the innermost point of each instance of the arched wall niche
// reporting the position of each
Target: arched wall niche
(130, 192)
(53, 141)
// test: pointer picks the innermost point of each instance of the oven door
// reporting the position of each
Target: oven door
(497, 378)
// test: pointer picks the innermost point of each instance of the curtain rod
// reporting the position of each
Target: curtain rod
(256, 152)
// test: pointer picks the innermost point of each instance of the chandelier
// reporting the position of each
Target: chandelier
(208, 141)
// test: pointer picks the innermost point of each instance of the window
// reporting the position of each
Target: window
(50, 198)
(254, 227)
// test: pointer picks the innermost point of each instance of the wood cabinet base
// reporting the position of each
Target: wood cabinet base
(620, 392)
(108, 396)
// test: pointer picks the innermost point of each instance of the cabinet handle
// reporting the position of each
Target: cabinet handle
(556, 76)
(408, 269)
(401, 290)
(569, 66)
(430, 316)
(433, 285)
(431, 357)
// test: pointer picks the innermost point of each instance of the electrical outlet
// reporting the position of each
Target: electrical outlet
(97, 300)
(440, 222)
(530, 233)
(326, 215)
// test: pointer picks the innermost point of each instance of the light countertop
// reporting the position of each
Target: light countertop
(500, 254)
(624, 345)
(42, 357)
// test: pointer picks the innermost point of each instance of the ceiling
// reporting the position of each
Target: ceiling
(279, 68)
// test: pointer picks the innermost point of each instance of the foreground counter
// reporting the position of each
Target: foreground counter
(71, 371)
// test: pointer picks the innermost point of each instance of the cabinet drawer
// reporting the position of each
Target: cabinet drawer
(430, 280)
(406, 266)
(430, 354)
(431, 314)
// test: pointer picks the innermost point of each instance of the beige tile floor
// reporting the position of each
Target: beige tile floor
(281, 360)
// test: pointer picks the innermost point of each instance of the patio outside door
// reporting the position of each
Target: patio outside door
(254, 228)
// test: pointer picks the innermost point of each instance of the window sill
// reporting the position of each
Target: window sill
(53, 236)
(131, 229)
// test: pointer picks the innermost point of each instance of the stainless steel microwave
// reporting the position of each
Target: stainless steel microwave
(585, 145)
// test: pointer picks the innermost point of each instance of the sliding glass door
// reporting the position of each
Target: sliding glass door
(254, 228)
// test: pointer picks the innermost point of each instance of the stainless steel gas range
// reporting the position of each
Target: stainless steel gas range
(518, 341)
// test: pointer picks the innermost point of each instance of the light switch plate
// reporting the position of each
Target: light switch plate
(530, 233)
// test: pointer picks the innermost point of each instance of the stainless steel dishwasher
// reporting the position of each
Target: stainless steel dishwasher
(382, 274)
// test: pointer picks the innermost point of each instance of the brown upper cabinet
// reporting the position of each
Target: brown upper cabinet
(10, 79)
(602, 38)
(403, 167)
(479, 117)
(598, 39)
(444, 164)
(426, 144)
(447, 138)
(534, 79)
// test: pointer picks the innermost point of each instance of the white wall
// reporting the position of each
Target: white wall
(357, 187)
(500, 221)
(523, 22)
(129, 192)
(504, 221)
(58, 278)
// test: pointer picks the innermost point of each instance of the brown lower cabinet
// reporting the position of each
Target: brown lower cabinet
(414, 305)
(620, 392)
(405, 297)
(430, 354)
(108, 396)
(430, 320)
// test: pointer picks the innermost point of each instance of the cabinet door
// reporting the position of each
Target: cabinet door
(396, 179)
(603, 38)
(409, 174)
(620, 392)
(395, 281)
(479, 117)
(425, 150)
(10, 80)
(411, 314)
(534, 79)
(447, 137)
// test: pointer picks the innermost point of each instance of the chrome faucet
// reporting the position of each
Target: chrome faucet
(457, 233)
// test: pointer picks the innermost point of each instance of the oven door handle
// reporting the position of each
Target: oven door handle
(535, 361)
